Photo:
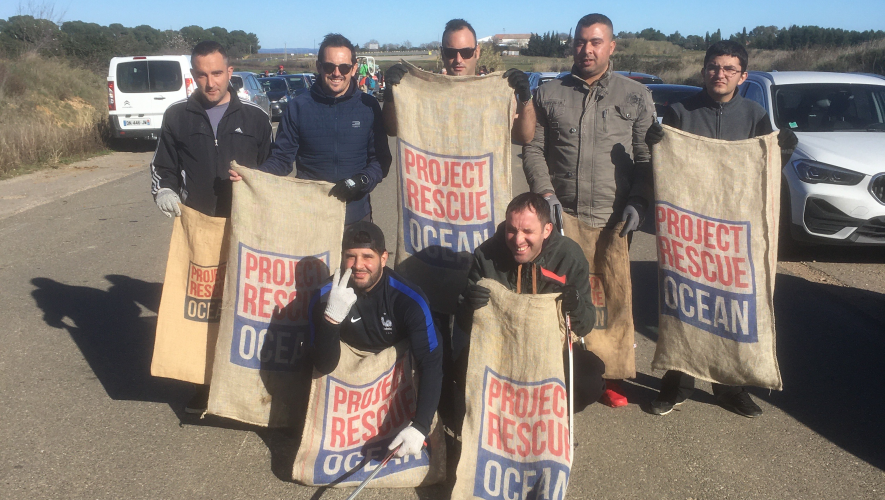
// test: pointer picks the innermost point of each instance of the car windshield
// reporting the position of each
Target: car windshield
(274, 84)
(149, 76)
(819, 107)
(296, 83)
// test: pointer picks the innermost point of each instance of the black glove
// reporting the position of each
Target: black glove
(519, 82)
(570, 298)
(655, 134)
(787, 139)
(393, 76)
(349, 189)
(477, 296)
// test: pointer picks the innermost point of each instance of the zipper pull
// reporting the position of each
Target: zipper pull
(216, 142)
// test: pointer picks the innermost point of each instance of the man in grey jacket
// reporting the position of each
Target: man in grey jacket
(589, 152)
(717, 112)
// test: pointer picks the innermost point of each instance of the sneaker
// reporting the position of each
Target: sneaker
(612, 396)
(740, 403)
(197, 405)
(662, 406)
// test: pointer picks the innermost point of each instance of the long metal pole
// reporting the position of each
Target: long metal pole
(373, 474)
(557, 214)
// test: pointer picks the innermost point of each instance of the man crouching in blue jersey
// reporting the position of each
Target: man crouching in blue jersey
(371, 308)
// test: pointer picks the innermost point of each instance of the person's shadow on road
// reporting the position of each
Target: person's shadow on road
(111, 333)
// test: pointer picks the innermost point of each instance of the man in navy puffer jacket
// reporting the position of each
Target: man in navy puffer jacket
(334, 133)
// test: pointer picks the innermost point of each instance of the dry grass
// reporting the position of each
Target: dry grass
(676, 65)
(50, 113)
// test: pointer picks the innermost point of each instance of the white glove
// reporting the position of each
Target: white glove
(341, 298)
(412, 442)
(168, 202)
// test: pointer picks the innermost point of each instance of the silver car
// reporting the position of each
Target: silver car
(249, 89)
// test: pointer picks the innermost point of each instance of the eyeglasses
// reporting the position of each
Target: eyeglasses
(729, 71)
(466, 53)
(329, 68)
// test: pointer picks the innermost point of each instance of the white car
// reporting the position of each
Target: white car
(834, 183)
(140, 88)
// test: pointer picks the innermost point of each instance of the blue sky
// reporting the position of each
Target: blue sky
(301, 24)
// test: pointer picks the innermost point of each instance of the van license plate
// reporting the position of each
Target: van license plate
(130, 123)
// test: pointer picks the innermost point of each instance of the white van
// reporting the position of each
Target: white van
(140, 88)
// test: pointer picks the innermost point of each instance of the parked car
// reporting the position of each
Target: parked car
(140, 88)
(546, 76)
(833, 188)
(641, 77)
(249, 89)
(299, 83)
(664, 94)
(277, 90)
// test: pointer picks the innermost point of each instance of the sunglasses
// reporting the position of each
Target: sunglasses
(329, 68)
(466, 53)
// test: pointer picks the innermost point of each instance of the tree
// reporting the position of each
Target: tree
(676, 39)
(653, 35)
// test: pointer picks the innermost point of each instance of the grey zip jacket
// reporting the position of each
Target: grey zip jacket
(735, 120)
(589, 146)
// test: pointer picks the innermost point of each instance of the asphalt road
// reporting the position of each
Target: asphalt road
(80, 416)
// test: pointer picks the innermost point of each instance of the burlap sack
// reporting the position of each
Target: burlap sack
(285, 236)
(515, 437)
(612, 295)
(453, 163)
(190, 308)
(353, 415)
(716, 218)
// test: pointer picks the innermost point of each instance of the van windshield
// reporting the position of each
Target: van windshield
(829, 107)
(149, 76)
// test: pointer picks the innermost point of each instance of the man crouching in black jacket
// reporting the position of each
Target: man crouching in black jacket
(528, 256)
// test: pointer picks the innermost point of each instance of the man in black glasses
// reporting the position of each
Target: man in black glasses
(460, 53)
(588, 154)
(334, 133)
(718, 112)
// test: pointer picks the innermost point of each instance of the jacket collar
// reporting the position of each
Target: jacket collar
(601, 85)
(708, 101)
(319, 95)
(194, 104)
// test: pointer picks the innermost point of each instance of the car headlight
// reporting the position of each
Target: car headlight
(283, 99)
(814, 172)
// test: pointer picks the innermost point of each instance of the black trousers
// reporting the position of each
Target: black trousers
(676, 386)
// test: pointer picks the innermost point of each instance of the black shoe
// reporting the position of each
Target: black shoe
(740, 403)
(663, 406)
(198, 404)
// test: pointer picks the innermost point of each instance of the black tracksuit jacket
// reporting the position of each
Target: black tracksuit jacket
(193, 163)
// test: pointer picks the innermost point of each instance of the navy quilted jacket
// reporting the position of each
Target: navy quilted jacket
(331, 139)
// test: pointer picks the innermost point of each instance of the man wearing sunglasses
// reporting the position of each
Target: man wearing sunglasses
(460, 53)
(718, 112)
(334, 133)
(589, 154)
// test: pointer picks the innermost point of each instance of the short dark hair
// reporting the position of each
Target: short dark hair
(531, 201)
(591, 19)
(207, 47)
(727, 48)
(336, 40)
(457, 25)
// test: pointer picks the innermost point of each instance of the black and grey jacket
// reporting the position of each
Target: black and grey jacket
(193, 162)
(561, 262)
(735, 120)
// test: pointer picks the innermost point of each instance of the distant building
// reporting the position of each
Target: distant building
(371, 46)
(512, 40)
